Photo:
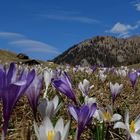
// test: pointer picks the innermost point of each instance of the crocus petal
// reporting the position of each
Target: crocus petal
(137, 124)
(116, 117)
(80, 87)
(48, 73)
(49, 110)
(55, 101)
(83, 116)
(98, 115)
(36, 130)
(111, 87)
(92, 109)
(19, 83)
(127, 118)
(29, 78)
(58, 107)
(68, 79)
(90, 101)
(66, 131)
(46, 126)
(59, 126)
(2, 78)
(120, 125)
(57, 136)
(109, 109)
(133, 78)
(84, 87)
(73, 112)
(42, 107)
(11, 75)
(33, 93)
(86, 84)
(135, 136)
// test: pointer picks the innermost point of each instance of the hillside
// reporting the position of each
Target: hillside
(8, 56)
(105, 50)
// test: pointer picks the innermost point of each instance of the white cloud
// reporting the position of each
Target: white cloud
(81, 19)
(137, 5)
(25, 45)
(138, 22)
(122, 30)
(65, 15)
(35, 46)
(10, 35)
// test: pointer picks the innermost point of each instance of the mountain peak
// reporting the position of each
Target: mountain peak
(107, 50)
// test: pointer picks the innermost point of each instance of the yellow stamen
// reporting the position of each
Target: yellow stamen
(132, 127)
(107, 116)
(51, 135)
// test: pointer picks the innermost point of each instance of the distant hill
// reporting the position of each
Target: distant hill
(8, 56)
(105, 50)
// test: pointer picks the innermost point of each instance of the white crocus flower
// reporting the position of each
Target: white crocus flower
(107, 115)
(133, 128)
(121, 72)
(101, 72)
(89, 71)
(49, 108)
(115, 90)
(46, 131)
(48, 73)
(82, 69)
(85, 87)
(102, 77)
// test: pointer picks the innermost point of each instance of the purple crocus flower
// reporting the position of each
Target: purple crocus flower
(138, 71)
(63, 84)
(11, 89)
(33, 93)
(112, 69)
(93, 68)
(133, 78)
(82, 116)
(75, 69)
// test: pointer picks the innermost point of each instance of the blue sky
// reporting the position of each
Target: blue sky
(43, 29)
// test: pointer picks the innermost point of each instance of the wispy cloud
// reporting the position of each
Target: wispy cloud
(65, 15)
(137, 6)
(10, 35)
(17, 40)
(35, 46)
(81, 19)
(122, 30)
(138, 22)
